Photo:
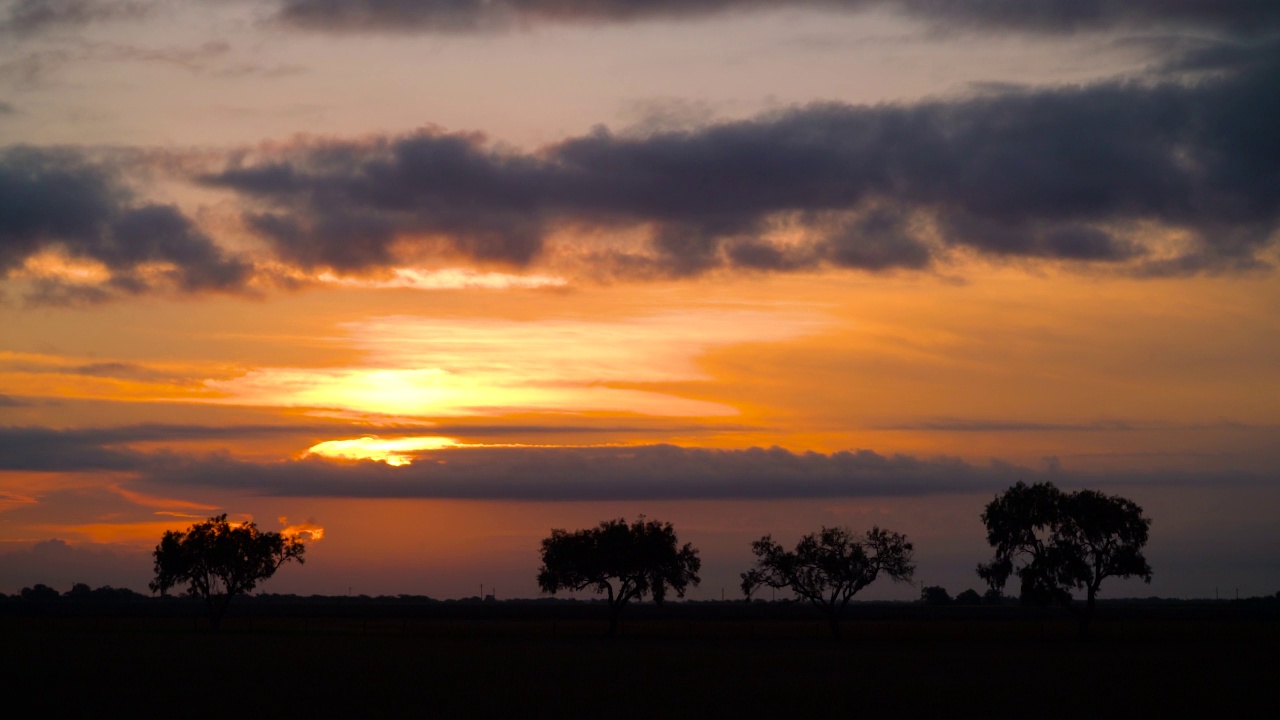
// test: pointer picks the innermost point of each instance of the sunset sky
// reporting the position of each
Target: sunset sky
(420, 280)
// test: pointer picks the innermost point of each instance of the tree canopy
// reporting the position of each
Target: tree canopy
(219, 560)
(1056, 542)
(626, 561)
(829, 567)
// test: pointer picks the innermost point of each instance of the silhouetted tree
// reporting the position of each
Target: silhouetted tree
(1056, 542)
(828, 568)
(935, 595)
(219, 560)
(625, 561)
(969, 597)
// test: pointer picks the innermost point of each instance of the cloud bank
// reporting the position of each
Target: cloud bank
(650, 472)
(1174, 177)
(546, 473)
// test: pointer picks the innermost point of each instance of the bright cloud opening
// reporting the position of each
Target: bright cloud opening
(393, 451)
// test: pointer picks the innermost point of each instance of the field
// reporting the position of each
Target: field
(699, 663)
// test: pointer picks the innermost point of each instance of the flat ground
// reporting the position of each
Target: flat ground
(457, 668)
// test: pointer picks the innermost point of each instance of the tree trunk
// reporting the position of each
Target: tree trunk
(834, 612)
(217, 609)
(1087, 616)
(215, 617)
(615, 610)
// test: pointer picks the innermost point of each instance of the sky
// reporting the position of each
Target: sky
(419, 280)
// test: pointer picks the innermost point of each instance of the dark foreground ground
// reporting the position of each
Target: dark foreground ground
(560, 667)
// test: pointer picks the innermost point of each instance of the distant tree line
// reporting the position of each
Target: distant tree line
(1054, 542)
(79, 592)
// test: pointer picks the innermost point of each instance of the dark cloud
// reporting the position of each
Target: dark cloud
(46, 450)
(1078, 174)
(880, 239)
(1236, 16)
(1048, 16)
(1219, 55)
(40, 448)
(58, 200)
(7, 401)
(29, 17)
(7, 108)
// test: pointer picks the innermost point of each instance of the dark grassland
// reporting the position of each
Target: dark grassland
(696, 660)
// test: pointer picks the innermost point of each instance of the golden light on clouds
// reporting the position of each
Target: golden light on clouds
(305, 531)
(58, 266)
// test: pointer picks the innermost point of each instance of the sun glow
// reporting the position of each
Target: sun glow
(458, 367)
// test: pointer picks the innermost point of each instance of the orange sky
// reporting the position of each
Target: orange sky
(425, 294)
